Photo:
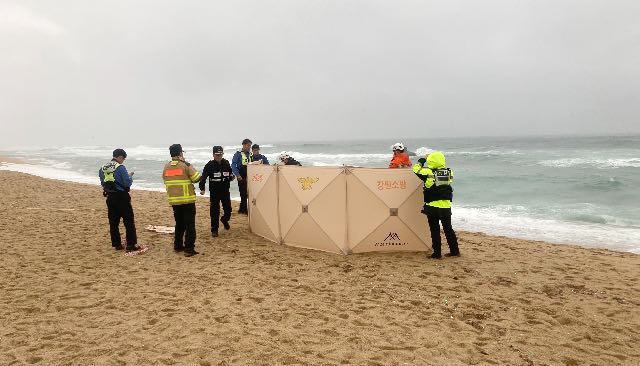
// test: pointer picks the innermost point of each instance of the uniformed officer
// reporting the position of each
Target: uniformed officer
(179, 176)
(218, 172)
(438, 194)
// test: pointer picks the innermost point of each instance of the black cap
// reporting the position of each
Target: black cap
(218, 150)
(119, 152)
(246, 141)
(255, 147)
(175, 150)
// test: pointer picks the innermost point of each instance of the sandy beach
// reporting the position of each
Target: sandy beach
(67, 298)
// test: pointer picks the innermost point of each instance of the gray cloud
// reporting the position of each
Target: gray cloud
(133, 72)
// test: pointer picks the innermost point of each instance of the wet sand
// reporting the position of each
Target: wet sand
(67, 298)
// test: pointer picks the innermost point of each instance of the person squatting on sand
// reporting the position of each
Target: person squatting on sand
(400, 158)
(239, 166)
(116, 183)
(179, 176)
(218, 172)
(438, 194)
(286, 159)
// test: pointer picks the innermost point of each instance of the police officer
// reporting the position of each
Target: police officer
(179, 176)
(239, 166)
(218, 172)
(438, 194)
(256, 157)
(116, 183)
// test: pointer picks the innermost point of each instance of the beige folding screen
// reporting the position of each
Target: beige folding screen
(262, 181)
(338, 209)
(383, 211)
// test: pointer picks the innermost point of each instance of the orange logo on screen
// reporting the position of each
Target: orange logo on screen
(307, 182)
(257, 178)
(391, 184)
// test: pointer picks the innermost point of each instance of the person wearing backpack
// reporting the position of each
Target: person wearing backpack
(438, 195)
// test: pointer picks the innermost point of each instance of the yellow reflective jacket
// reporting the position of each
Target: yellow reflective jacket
(178, 177)
(434, 161)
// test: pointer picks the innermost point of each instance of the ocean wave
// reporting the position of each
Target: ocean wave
(592, 163)
(51, 172)
(592, 232)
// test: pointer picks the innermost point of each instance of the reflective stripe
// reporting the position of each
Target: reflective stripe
(173, 173)
(177, 182)
(439, 204)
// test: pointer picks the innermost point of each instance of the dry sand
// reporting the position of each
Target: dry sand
(67, 298)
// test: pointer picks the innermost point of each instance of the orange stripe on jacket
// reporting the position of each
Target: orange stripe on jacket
(173, 172)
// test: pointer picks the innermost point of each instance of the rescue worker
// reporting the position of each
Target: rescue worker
(438, 195)
(257, 157)
(286, 159)
(179, 176)
(218, 172)
(116, 183)
(400, 157)
(239, 167)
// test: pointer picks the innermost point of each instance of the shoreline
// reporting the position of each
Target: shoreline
(245, 300)
(496, 233)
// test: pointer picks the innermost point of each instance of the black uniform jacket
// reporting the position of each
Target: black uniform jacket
(218, 174)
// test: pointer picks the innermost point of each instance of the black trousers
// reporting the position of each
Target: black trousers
(119, 206)
(185, 236)
(242, 186)
(436, 215)
(219, 196)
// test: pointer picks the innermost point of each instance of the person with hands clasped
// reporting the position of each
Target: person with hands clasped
(219, 174)
(239, 166)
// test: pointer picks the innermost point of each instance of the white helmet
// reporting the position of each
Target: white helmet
(283, 156)
(398, 146)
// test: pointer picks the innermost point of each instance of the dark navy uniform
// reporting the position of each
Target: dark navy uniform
(219, 175)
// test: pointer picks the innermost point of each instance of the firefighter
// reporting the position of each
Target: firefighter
(400, 157)
(438, 195)
(218, 172)
(116, 183)
(179, 176)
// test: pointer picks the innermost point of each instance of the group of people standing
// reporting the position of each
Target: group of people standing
(179, 177)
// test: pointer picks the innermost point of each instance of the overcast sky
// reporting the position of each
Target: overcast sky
(154, 72)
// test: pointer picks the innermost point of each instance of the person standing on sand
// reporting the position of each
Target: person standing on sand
(218, 172)
(179, 176)
(239, 166)
(438, 194)
(116, 183)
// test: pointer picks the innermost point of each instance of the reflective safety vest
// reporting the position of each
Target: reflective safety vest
(437, 189)
(246, 160)
(178, 177)
(109, 170)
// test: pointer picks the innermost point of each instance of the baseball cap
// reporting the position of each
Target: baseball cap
(119, 152)
(255, 147)
(218, 150)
